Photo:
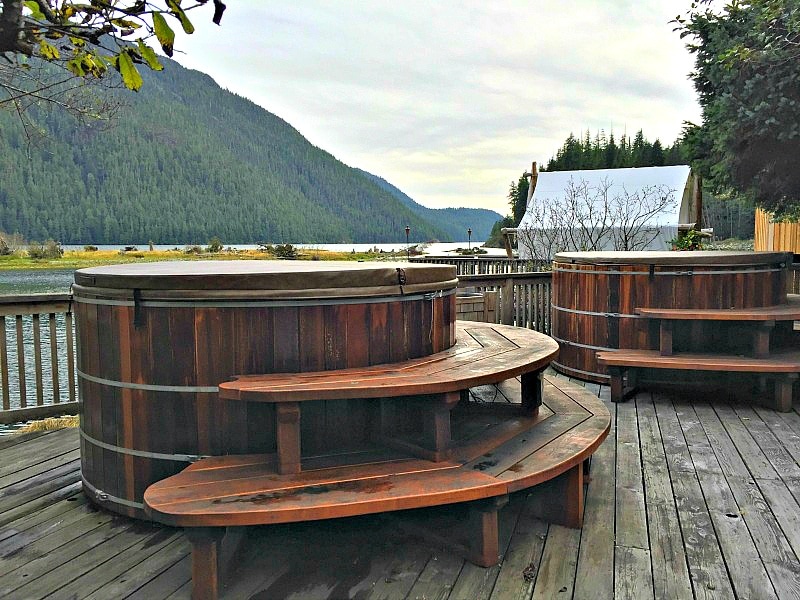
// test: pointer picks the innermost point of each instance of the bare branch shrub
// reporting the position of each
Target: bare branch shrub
(590, 217)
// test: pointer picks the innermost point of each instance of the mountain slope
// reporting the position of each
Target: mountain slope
(186, 161)
(455, 221)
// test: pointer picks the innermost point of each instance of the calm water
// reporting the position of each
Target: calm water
(35, 282)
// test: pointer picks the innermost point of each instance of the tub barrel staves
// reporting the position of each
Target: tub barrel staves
(155, 340)
(595, 295)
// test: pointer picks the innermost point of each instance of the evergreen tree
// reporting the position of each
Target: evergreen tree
(518, 198)
(748, 84)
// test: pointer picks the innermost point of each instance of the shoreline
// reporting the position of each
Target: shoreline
(79, 259)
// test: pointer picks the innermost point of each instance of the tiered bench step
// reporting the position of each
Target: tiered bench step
(781, 312)
(782, 366)
(761, 320)
(485, 353)
(495, 449)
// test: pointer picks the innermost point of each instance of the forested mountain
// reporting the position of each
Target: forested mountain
(454, 221)
(185, 161)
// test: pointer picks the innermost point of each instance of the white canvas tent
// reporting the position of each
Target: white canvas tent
(605, 209)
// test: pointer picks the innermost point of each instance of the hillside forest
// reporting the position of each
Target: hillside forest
(185, 161)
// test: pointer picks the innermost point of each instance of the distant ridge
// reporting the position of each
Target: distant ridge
(455, 221)
(187, 161)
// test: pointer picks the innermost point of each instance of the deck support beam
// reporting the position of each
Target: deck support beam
(560, 500)
(205, 558)
(287, 417)
(532, 392)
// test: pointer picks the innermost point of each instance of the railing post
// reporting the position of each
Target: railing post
(507, 317)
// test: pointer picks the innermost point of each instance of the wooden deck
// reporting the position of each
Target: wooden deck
(688, 499)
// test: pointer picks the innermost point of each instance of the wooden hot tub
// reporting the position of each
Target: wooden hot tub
(595, 295)
(155, 340)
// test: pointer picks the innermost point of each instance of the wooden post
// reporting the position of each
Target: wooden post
(4, 363)
(761, 339)
(507, 317)
(437, 424)
(698, 202)
(287, 416)
(531, 393)
(484, 544)
(534, 179)
(617, 389)
(560, 500)
(205, 550)
(665, 345)
(783, 391)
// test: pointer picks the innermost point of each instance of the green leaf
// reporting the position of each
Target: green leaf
(149, 56)
(130, 76)
(48, 51)
(75, 67)
(164, 33)
(36, 12)
(175, 8)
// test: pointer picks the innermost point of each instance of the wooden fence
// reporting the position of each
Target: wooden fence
(485, 265)
(524, 297)
(775, 236)
(42, 336)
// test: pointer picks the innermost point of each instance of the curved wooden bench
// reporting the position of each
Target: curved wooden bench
(484, 353)
(782, 366)
(490, 451)
(759, 320)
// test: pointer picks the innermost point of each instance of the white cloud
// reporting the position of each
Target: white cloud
(451, 101)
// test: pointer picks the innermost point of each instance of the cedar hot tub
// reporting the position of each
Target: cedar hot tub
(155, 340)
(595, 295)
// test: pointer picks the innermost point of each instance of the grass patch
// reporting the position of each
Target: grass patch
(80, 259)
(50, 424)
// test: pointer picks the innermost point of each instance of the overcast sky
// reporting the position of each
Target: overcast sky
(451, 101)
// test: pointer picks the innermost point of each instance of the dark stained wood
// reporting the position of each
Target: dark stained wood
(234, 491)
(782, 367)
(495, 358)
(560, 500)
(260, 318)
(374, 557)
(287, 417)
(600, 299)
(205, 542)
(789, 310)
(783, 362)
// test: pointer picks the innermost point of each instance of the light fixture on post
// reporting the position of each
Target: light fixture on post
(469, 239)
(408, 248)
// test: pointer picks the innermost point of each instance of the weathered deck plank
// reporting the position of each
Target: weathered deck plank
(687, 498)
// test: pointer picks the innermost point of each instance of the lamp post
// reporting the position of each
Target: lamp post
(408, 249)
(469, 239)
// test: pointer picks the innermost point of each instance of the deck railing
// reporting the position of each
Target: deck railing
(37, 356)
(524, 297)
(485, 265)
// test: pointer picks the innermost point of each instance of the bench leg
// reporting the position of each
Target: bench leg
(287, 417)
(484, 545)
(205, 550)
(617, 390)
(437, 424)
(783, 392)
(436, 434)
(560, 500)
(531, 393)
(665, 345)
(761, 337)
